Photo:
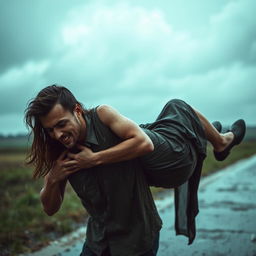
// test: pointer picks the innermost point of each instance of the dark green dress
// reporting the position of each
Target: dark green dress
(176, 162)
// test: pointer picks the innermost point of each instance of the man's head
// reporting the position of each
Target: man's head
(64, 126)
(56, 120)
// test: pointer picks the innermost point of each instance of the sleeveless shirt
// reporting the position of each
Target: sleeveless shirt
(117, 197)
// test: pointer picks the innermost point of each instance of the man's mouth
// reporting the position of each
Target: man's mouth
(65, 139)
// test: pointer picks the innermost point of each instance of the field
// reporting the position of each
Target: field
(25, 227)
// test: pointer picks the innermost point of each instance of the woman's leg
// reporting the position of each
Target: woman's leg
(218, 140)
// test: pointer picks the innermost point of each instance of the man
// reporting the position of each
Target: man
(109, 161)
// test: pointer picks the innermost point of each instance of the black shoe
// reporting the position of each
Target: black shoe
(217, 125)
(238, 128)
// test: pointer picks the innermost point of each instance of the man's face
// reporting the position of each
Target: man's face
(62, 125)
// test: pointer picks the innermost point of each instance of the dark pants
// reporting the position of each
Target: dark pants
(87, 252)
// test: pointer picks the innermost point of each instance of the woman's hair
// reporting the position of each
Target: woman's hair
(45, 150)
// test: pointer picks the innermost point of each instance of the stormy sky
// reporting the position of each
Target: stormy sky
(133, 54)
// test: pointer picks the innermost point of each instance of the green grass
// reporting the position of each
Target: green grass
(25, 227)
(244, 150)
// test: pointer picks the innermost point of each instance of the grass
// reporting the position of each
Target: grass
(25, 227)
(244, 150)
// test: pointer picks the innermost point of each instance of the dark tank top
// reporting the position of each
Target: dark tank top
(122, 212)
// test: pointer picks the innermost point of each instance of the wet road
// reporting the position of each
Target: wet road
(226, 224)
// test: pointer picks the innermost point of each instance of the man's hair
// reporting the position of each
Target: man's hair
(45, 150)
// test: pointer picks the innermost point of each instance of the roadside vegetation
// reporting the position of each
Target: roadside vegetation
(25, 227)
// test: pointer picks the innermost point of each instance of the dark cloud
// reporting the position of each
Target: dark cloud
(15, 94)
(132, 55)
(30, 30)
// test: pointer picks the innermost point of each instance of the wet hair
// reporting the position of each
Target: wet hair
(44, 150)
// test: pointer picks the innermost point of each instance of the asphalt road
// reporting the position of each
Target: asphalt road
(226, 224)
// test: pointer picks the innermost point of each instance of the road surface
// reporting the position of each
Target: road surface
(226, 224)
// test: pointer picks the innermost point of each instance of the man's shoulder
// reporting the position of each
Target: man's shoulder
(107, 114)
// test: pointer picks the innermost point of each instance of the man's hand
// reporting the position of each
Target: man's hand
(86, 158)
(61, 169)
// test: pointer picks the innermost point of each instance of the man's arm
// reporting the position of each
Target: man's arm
(135, 142)
(52, 194)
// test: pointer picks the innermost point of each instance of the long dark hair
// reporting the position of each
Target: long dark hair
(45, 150)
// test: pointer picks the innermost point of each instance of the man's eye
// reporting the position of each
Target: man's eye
(60, 125)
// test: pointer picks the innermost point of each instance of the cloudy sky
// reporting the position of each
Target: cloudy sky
(133, 54)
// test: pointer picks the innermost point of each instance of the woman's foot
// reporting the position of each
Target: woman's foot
(226, 140)
(230, 139)
(217, 125)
